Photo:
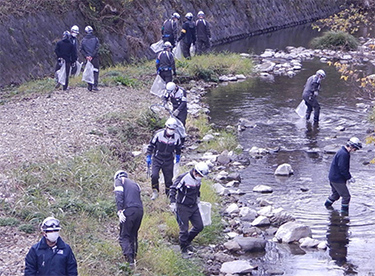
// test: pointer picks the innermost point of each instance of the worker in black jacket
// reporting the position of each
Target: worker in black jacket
(65, 52)
(130, 213)
(203, 33)
(187, 36)
(169, 29)
(184, 197)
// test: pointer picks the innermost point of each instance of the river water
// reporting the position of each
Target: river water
(344, 113)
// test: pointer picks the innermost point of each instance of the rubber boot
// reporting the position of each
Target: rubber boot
(344, 210)
(155, 194)
(328, 204)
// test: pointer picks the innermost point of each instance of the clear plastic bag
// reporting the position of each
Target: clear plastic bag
(177, 51)
(205, 210)
(158, 87)
(88, 73)
(157, 46)
(61, 74)
(301, 109)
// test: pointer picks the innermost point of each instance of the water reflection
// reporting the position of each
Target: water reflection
(338, 241)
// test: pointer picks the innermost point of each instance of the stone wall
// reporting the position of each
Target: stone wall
(27, 42)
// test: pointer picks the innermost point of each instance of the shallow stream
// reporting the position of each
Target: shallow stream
(344, 113)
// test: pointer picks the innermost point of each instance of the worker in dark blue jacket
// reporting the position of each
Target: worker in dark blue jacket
(51, 255)
(188, 35)
(339, 174)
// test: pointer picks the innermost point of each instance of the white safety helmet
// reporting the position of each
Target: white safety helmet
(66, 34)
(50, 224)
(170, 87)
(189, 16)
(74, 29)
(354, 143)
(167, 44)
(89, 29)
(120, 174)
(171, 123)
(176, 15)
(201, 168)
(321, 73)
(200, 13)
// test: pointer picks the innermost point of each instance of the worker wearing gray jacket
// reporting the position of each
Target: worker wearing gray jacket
(130, 213)
(203, 33)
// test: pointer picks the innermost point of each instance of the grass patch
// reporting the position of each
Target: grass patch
(9, 221)
(335, 41)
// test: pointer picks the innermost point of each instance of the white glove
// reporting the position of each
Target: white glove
(198, 200)
(121, 216)
(173, 207)
(351, 180)
(176, 112)
(316, 93)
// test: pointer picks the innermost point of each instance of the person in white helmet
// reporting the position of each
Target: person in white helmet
(74, 32)
(184, 198)
(165, 63)
(310, 94)
(177, 95)
(188, 35)
(339, 175)
(51, 255)
(203, 33)
(130, 212)
(163, 150)
(90, 50)
(169, 29)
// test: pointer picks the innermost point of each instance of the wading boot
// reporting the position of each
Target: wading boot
(344, 210)
(328, 204)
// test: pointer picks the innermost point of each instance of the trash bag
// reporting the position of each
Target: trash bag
(177, 51)
(205, 210)
(158, 86)
(192, 50)
(61, 74)
(157, 46)
(77, 69)
(176, 170)
(301, 109)
(180, 128)
(88, 73)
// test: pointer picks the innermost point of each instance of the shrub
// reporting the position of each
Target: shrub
(335, 41)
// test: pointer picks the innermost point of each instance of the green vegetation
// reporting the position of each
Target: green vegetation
(79, 191)
(336, 41)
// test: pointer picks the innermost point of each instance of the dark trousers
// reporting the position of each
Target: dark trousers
(185, 47)
(166, 166)
(202, 45)
(184, 215)
(128, 238)
(67, 70)
(166, 75)
(312, 104)
(339, 189)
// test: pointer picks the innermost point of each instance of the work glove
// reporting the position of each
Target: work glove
(316, 93)
(351, 180)
(176, 112)
(148, 160)
(173, 207)
(121, 216)
(178, 157)
(73, 64)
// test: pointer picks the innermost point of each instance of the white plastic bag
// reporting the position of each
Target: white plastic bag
(301, 109)
(176, 170)
(157, 46)
(79, 68)
(88, 73)
(177, 51)
(61, 74)
(158, 87)
(205, 210)
(192, 50)
(180, 128)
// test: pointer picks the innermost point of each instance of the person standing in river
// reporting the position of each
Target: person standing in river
(310, 94)
(339, 175)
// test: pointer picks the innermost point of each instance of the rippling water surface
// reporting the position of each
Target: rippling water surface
(271, 106)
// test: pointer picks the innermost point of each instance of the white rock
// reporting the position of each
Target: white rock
(262, 189)
(292, 231)
(232, 208)
(284, 170)
(261, 221)
(237, 267)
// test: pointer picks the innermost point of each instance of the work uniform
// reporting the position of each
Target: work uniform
(169, 31)
(185, 192)
(310, 93)
(179, 101)
(165, 64)
(74, 41)
(338, 176)
(65, 49)
(128, 200)
(43, 260)
(187, 37)
(90, 48)
(203, 35)
(163, 148)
